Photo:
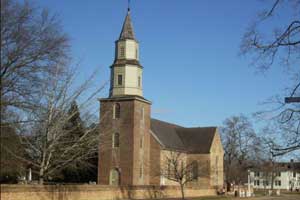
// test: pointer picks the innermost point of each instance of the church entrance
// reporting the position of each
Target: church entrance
(114, 178)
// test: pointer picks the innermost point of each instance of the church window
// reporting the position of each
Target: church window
(122, 52)
(142, 114)
(116, 140)
(120, 79)
(114, 178)
(141, 171)
(141, 141)
(139, 81)
(117, 111)
(194, 170)
(136, 53)
(168, 169)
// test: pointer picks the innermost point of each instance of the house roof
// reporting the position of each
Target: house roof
(127, 30)
(175, 137)
(287, 166)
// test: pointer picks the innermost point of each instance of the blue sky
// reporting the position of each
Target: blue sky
(189, 50)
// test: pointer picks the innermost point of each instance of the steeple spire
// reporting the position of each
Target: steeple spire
(127, 29)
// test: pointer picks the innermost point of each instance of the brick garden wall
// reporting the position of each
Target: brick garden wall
(95, 192)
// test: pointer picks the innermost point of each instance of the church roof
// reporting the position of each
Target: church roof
(127, 29)
(191, 140)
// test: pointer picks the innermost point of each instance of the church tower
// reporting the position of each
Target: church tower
(125, 118)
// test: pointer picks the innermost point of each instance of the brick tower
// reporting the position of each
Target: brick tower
(125, 118)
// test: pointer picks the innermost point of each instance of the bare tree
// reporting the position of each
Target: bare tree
(241, 147)
(268, 162)
(280, 45)
(175, 168)
(32, 44)
(51, 144)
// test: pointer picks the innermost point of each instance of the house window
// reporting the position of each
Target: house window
(294, 174)
(116, 138)
(278, 174)
(256, 182)
(116, 111)
(122, 52)
(277, 183)
(256, 174)
(139, 81)
(120, 79)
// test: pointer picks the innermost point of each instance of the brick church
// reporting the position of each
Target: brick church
(133, 146)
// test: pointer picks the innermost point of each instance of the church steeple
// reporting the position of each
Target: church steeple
(127, 29)
(126, 71)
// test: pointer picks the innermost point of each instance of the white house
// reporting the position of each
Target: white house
(286, 176)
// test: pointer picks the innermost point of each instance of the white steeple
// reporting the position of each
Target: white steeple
(126, 71)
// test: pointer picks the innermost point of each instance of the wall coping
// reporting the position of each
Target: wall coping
(85, 187)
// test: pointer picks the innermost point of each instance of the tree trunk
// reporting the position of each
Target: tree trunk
(41, 176)
(182, 190)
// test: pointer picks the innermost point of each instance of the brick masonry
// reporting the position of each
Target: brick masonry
(130, 157)
(95, 192)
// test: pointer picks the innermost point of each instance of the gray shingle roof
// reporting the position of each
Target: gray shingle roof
(174, 137)
(127, 30)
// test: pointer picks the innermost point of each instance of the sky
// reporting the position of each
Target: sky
(193, 73)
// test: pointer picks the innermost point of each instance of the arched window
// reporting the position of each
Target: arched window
(141, 171)
(117, 111)
(142, 114)
(141, 141)
(115, 140)
(194, 170)
(114, 178)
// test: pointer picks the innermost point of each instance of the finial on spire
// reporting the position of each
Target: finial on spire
(128, 8)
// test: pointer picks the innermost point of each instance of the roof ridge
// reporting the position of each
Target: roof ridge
(215, 127)
(168, 123)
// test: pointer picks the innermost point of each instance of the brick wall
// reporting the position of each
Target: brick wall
(154, 161)
(109, 157)
(95, 192)
(204, 170)
(216, 162)
(130, 158)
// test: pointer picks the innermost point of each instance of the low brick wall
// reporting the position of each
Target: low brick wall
(95, 192)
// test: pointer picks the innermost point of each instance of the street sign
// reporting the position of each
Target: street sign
(292, 100)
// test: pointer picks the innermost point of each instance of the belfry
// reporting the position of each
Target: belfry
(126, 71)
